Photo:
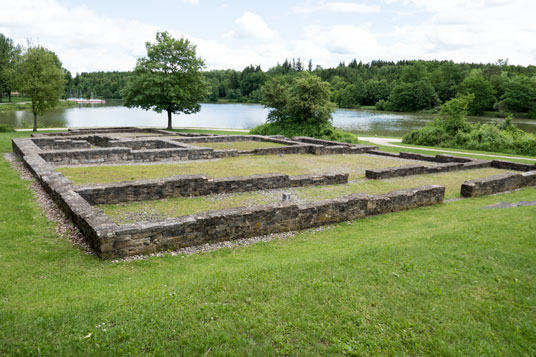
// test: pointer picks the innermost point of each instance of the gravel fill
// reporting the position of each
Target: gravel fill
(209, 247)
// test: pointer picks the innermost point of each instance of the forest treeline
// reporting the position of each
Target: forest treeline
(395, 86)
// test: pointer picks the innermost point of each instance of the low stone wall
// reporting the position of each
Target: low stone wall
(498, 183)
(379, 174)
(61, 144)
(97, 227)
(315, 141)
(115, 154)
(198, 185)
(214, 226)
(516, 166)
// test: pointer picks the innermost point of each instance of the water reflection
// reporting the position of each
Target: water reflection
(237, 116)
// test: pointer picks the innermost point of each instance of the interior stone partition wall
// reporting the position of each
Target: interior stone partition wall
(198, 185)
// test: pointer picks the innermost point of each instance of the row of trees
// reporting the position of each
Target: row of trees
(394, 86)
(34, 71)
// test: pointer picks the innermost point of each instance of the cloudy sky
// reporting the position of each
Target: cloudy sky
(110, 35)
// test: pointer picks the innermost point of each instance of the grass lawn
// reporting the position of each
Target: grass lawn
(452, 279)
(465, 153)
(174, 207)
(26, 106)
(237, 166)
(208, 131)
(239, 145)
(15, 99)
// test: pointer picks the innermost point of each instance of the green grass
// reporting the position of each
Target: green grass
(14, 99)
(239, 145)
(448, 280)
(462, 152)
(28, 106)
(5, 138)
(132, 212)
(445, 280)
(236, 166)
(203, 131)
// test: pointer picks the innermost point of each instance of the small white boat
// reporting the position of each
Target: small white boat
(83, 101)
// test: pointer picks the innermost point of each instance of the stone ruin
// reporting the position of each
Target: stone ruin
(43, 152)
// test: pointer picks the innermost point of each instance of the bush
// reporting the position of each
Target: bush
(326, 131)
(4, 128)
(451, 129)
(380, 104)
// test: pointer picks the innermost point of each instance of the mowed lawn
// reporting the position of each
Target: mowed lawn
(239, 145)
(452, 279)
(295, 164)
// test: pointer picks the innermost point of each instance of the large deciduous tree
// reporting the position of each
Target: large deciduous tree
(169, 79)
(9, 55)
(40, 77)
(481, 88)
(299, 106)
(520, 94)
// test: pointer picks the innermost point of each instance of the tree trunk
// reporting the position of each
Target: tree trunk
(9, 95)
(35, 122)
(169, 119)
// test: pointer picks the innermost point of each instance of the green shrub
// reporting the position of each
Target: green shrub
(4, 128)
(326, 131)
(380, 104)
(451, 129)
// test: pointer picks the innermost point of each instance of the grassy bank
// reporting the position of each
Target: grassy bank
(452, 279)
(27, 106)
(14, 99)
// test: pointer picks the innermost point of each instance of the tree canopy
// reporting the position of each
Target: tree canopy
(482, 91)
(300, 106)
(9, 56)
(40, 77)
(168, 79)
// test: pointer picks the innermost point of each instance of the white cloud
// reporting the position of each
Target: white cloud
(344, 7)
(193, 2)
(251, 25)
(350, 7)
(470, 31)
(344, 40)
(83, 40)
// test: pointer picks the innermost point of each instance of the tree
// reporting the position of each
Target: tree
(482, 90)
(408, 97)
(376, 90)
(40, 77)
(9, 56)
(300, 105)
(168, 79)
(520, 94)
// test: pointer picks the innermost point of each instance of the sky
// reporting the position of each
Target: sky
(107, 35)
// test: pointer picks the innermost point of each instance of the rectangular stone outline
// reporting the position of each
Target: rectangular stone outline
(110, 240)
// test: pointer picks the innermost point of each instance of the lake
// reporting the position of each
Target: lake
(235, 116)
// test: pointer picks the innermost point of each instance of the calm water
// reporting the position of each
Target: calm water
(236, 116)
